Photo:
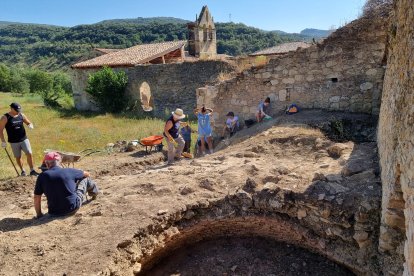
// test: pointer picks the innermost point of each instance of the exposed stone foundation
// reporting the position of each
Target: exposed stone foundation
(328, 220)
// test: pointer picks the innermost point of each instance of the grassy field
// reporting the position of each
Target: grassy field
(71, 131)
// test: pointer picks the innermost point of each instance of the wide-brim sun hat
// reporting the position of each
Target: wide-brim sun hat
(179, 113)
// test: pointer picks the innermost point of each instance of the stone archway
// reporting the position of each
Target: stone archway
(147, 102)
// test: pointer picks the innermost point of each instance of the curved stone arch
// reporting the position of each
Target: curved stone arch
(235, 216)
(147, 102)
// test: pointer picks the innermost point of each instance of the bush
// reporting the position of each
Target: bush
(108, 89)
(18, 83)
(375, 5)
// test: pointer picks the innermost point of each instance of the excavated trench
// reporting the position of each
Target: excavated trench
(328, 229)
(280, 221)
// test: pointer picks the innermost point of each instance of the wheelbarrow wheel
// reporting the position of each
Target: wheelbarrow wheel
(159, 147)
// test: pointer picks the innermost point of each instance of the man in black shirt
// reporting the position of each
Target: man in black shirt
(13, 122)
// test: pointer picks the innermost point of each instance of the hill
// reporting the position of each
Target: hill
(52, 47)
(145, 20)
(316, 33)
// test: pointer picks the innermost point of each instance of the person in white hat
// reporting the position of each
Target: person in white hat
(175, 141)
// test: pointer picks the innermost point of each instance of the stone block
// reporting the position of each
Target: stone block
(274, 82)
(310, 78)
(288, 81)
(371, 72)
(334, 99)
(366, 86)
(266, 75)
(395, 219)
(282, 95)
(299, 78)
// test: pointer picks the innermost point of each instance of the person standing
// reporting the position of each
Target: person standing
(204, 127)
(185, 132)
(175, 141)
(13, 122)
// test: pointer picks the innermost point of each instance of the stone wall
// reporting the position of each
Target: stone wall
(345, 72)
(171, 85)
(396, 142)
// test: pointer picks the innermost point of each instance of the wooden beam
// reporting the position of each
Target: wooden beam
(163, 59)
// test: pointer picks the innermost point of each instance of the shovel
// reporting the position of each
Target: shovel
(12, 162)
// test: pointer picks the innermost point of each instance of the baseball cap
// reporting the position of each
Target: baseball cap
(52, 156)
(16, 106)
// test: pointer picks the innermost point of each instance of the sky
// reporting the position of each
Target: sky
(284, 15)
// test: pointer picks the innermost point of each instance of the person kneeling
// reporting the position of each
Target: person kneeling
(65, 188)
(232, 125)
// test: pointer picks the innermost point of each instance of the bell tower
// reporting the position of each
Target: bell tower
(202, 41)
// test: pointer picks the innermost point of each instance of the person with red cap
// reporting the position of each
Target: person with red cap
(65, 188)
(13, 122)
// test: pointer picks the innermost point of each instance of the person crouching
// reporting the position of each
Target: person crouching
(65, 188)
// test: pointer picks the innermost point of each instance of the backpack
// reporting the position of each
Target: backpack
(292, 109)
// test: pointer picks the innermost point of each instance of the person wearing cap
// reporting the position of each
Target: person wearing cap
(65, 188)
(175, 141)
(204, 127)
(232, 124)
(13, 122)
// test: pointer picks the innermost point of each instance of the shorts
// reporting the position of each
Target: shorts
(204, 132)
(24, 146)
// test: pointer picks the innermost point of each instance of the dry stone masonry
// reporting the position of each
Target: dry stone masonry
(396, 143)
(171, 85)
(345, 72)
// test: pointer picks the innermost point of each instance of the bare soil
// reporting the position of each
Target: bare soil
(246, 256)
(136, 187)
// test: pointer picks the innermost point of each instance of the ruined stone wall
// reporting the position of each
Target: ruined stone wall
(171, 85)
(396, 142)
(345, 72)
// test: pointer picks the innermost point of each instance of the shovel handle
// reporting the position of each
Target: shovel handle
(11, 161)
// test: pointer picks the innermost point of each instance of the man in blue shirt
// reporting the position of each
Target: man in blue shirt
(65, 188)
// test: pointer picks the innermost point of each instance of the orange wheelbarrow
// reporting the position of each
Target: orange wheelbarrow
(151, 142)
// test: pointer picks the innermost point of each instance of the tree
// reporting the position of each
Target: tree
(4, 78)
(18, 83)
(107, 87)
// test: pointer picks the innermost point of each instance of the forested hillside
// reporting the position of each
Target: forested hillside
(52, 47)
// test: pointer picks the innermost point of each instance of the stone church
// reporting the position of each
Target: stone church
(161, 76)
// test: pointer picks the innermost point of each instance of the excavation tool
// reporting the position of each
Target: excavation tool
(12, 162)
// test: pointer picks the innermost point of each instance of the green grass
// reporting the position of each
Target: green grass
(71, 131)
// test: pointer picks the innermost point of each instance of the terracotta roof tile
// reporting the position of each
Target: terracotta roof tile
(106, 50)
(282, 48)
(131, 56)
